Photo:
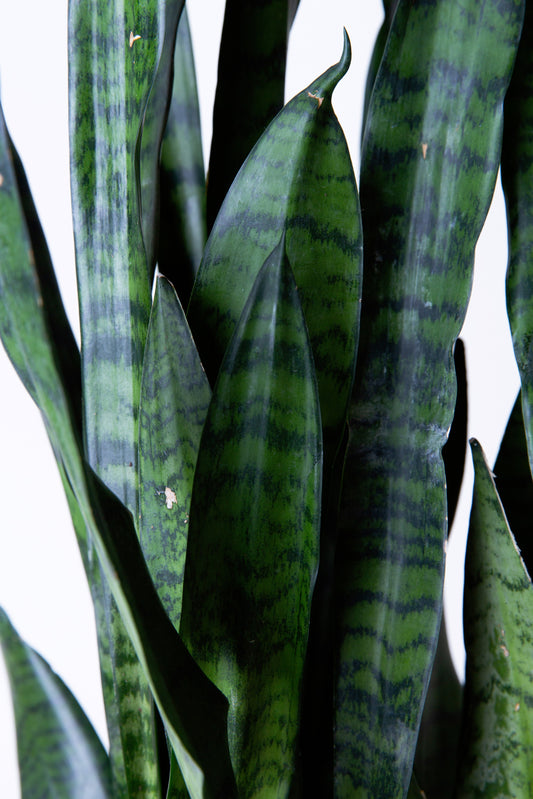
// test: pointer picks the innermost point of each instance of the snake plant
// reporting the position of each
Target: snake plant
(257, 435)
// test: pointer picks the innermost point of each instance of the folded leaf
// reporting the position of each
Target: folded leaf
(253, 541)
(60, 756)
(497, 736)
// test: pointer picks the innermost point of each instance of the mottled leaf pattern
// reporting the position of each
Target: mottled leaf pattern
(253, 540)
(59, 753)
(429, 164)
(497, 737)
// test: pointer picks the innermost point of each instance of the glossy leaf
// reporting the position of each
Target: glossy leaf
(194, 712)
(174, 400)
(429, 164)
(514, 484)
(253, 541)
(250, 87)
(182, 232)
(497, 737)
(60, 756)
(297, 178)
(132, 45)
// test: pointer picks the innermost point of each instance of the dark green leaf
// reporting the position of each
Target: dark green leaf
(454, 450)
(297, 178)
(250, 87)
(182, 231)
(174, 400)
(517, 182)
(194, 712)
(497, 737)
(429, 165)
(60, 756)
(253, 540)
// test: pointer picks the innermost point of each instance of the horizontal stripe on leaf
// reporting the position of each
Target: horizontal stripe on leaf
(497, 741)
(254, 527)
(429, 164)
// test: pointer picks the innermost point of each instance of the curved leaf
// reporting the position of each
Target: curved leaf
(174, 400)
(254, 529)
(193, 710)
(182, 231)
(429, 165)
(250, 87)
(297, 178)
(497, 737)
(60, 756)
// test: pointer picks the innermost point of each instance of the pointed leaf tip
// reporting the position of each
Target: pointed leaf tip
(324, 85)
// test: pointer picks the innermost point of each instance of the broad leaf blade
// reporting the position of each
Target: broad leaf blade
(182, 231)
(497, 737)
(429, 166)
(60, 756)
(253, 540)
(250, 87)
(174, 401)
(297, 178)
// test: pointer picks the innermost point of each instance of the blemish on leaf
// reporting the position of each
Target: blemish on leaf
(316, 97)
(424, 150)
(504, 650)
(134, 38)
(517, 707)
(1, 180)
(170, 497)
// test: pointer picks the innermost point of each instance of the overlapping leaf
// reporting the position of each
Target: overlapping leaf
(254, 528)
(174, 400)
(59, 753)
(250, 86)
(194, 712)
(297, 178)
(497, 738)
(429, 164)
(182, 225)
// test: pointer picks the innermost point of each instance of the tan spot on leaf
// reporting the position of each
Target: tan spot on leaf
(1, 180)
(316, 97)
(424, 150)
(133, 38)
(170, 498)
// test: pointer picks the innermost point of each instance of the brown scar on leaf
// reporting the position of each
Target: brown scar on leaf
(1, 180)
(134, 38)
(170, 498)
(517, 707)
(424, 150)
(316, 97)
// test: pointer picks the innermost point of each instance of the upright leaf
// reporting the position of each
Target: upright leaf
(298, 178)
(174, 401)
(429, 164)
(497, 736)
(250, 87)
(193, 710)
(182, 231)
(119, 54)
(253, 541)
(517, 175)
(60, 756)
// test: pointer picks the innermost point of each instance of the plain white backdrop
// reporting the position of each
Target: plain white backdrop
(42, 584)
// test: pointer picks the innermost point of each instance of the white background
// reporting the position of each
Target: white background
(42, 584)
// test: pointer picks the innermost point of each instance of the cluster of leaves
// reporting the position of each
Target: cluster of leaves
(256, 482)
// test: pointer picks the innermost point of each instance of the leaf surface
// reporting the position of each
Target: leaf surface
(194, 712)
(497, 736)
(174, 400)
(298, 178)
(254, 529)
(60, 756)
(429, 164)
